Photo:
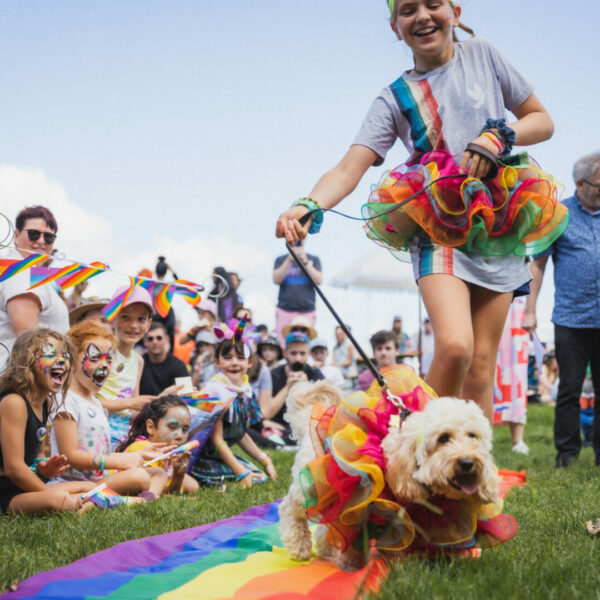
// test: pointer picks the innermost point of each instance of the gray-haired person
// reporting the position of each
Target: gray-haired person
(576, 315)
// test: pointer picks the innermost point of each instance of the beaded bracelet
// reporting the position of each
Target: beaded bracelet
(102, 458)
(507, 135)
(317, 215)
(243, 475)
(495, 139)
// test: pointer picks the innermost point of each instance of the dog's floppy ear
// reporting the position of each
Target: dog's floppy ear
(490, 483)
(399, 448)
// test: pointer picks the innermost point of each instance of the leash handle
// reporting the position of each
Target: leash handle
(370, 365)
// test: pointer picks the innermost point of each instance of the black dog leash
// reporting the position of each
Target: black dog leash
(304, 220)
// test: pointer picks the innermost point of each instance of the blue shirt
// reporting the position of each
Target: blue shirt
(576, 257)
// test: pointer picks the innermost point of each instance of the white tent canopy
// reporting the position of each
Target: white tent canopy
(376, 270)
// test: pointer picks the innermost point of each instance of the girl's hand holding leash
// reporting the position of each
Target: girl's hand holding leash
(478, 164)
(288, 225)
(53, 467)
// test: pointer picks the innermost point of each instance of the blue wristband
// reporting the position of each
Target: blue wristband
(316, 213)
(244, 474)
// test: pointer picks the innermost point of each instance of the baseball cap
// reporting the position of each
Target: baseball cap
(138, 295)
(295, 337)
(318, 343)
(397, 318)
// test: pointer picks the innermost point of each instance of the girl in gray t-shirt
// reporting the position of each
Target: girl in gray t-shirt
(468, 239)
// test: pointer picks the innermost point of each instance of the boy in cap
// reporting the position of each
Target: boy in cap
(120, 393)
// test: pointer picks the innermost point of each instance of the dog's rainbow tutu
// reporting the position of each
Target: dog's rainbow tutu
(516, 212)
(344, 487)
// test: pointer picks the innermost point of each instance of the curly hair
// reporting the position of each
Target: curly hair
(20, 375)
(155, 411)
(83, 331)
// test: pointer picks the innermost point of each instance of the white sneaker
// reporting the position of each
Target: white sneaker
(521, 447)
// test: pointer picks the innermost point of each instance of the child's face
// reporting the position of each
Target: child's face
(95, 364)
(53, 364)
(234, 367)
(385, 354)
(269, 353)
(173, 428)
(425, 25)
(132, 323)
(319, 355)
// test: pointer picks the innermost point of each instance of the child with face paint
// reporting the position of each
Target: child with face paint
(216, 462)
(166, 419)
(81, 430)
(120, 394)
(39, 369)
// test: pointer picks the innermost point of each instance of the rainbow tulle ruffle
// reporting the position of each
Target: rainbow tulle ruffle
(517, 212)
(344, 487)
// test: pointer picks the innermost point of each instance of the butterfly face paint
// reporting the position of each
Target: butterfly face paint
(96, 365)
(54, 362)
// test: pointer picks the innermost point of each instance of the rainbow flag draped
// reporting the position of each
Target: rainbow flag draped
(240, 557)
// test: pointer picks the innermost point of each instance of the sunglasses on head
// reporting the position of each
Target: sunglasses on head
(34, 236)
(151, 338)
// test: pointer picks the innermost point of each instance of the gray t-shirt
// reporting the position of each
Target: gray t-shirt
(446, 109)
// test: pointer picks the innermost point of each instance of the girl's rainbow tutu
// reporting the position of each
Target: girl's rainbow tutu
(516, 212)
(344, 487)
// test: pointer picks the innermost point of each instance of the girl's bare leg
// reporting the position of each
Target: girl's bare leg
(448, 305)
(129, 482)
(40, 502)
(190, 485)
(488, 313)
(158, 480)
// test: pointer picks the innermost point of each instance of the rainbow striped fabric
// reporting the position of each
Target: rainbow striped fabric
(240, 557)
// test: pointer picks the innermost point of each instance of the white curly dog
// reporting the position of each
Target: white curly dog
(443, 450)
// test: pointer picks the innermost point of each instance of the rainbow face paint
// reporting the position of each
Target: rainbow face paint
(96, 365)
(54, 362)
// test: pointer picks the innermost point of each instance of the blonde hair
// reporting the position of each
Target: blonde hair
(465, 28)
(20, 375)
(81, 332)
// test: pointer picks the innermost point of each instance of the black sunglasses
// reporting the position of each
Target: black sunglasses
(34, 236)
(151, 338)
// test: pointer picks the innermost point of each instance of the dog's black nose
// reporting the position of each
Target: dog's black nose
(466, 464)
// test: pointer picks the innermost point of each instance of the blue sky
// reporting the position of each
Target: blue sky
(188, 126)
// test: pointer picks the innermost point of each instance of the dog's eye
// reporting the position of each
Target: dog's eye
(444, 438)
(471, 435)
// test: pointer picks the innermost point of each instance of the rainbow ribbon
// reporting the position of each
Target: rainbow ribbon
(111, 310)
(163, 299)
(239, 329)
(13, 267)
(187, 447)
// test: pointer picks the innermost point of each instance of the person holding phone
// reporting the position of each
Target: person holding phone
(295, 369)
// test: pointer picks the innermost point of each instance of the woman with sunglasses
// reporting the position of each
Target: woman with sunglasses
(20, 308)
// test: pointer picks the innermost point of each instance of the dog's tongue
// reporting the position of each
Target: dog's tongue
(468, 485)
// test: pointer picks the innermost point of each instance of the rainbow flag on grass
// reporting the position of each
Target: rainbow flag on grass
(241, 557)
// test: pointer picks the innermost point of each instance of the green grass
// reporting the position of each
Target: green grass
(552, 557)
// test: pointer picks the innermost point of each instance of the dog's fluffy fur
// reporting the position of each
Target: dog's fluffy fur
(443, 450)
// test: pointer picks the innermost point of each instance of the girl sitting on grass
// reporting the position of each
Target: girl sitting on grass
(39, 368)
(166, 419)
(81, 430)
(216, 462)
